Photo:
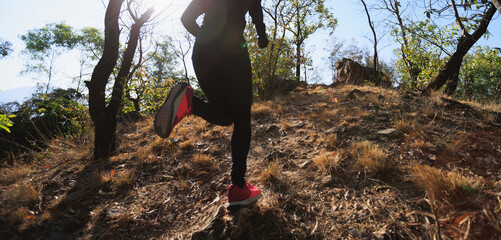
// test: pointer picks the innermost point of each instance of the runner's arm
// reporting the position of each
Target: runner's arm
(190, 15)
(256, 12)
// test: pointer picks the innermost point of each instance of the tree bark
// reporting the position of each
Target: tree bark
(497, 3)
(105, 117)
(375, 59)
(298, 45)
(450, 72)
(104, 140)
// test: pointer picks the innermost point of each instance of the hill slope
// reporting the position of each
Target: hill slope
(349, 162)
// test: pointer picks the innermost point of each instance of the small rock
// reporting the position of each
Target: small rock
(306, 164)
(114, 212)
(206, 150)
(326, 180)
(389, 131)
(332, 130)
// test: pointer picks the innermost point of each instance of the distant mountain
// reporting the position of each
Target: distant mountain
(16, 94)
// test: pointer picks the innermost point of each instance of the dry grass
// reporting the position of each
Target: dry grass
(271, 173)
(332, 141)
(28, 194)
(374, 99)
(202, 160)
(421, 144)
(18, 215)
(13, 174)
(429, 111)
(285, 125)
(447, 189)
(261, 109)
(489, 118)
(493, 106)
(100, 177)
(328, 162)
(198, 124)
(405, 123)
(186, 145)
(372, 158)
(124, 180)
(332, 115)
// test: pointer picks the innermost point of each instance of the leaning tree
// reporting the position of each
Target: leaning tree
(476, 16)
(104, 113)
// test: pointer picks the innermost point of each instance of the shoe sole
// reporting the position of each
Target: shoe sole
(167, 113)
(245, 202)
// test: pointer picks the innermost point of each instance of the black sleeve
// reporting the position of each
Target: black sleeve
(256, 12)
(190, 15)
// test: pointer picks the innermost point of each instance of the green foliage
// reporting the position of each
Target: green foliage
(5, 48)
(90, 46)
(156, 93)
(480, 75)
(5, 122)
(269, 64)
(163, 61)
(149, 85)
(45, 45)
(426, 50)
(42, 118)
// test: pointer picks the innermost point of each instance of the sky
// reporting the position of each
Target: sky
(20, 16)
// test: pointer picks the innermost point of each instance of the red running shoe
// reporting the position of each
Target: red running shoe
(177, 105)
(242, 196)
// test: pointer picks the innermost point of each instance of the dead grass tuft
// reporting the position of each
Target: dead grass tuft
(18, 215)
(332, 115)
(186, 145)
(405, 123)
(374, 99)
(271, 173)
(124, 180)
(372, 158)
(261, 109)
(13, 174)
(285, 125)
(100, 177)
(199, 124)
(328, 162)
(429, 111)
(332, 141)
(28, 194)
(202, 160)
(447, 189)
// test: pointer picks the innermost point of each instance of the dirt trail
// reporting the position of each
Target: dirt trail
(333, 163)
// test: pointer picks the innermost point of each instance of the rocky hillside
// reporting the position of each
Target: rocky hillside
(332, 163)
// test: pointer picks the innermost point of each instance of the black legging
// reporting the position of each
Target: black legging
(225, 76)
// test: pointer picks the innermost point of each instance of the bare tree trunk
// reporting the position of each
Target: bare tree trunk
(450, 72)
(394, 7)
(104, 117)
(298, 45)
(497, 3)
(375, 59)
(104, 141)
